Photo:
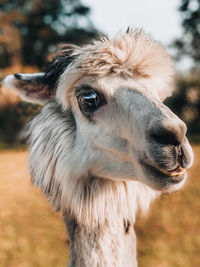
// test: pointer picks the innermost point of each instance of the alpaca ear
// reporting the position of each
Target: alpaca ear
(41, 87)
(30, 87)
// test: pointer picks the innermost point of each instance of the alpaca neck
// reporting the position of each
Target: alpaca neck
(100, 236)
(103, 246)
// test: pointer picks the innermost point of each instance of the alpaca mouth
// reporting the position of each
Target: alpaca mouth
(162, 177)
(176, 175)
(178, 171)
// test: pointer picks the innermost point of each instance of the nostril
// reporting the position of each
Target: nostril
(181, 156)
(164, 136)
(179, 153)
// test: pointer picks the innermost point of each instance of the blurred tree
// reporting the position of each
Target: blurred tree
(12, 120)
(189, 43)
(10, 39)
(186, 101)
(30, 29)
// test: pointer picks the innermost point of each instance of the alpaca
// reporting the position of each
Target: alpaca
(104, 144)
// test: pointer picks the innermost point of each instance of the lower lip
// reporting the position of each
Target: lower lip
(177, 179)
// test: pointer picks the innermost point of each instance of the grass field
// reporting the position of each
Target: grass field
(32, 235)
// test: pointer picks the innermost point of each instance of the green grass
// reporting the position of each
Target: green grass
(32, 235)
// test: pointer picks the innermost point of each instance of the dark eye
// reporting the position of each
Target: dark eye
(88, 101)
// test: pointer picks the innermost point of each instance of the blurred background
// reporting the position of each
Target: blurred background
(31, 31)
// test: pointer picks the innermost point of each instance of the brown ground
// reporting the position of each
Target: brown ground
(31, 235)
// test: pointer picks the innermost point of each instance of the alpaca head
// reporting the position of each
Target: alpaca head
(114, 91)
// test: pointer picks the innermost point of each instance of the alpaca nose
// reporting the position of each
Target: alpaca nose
(173, 136)
(169, 134)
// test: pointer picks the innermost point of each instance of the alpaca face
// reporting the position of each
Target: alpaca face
(136, 136)
(123, 131)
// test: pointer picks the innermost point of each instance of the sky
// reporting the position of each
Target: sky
(159, 18)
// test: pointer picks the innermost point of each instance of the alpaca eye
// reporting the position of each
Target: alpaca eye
(88, 101)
